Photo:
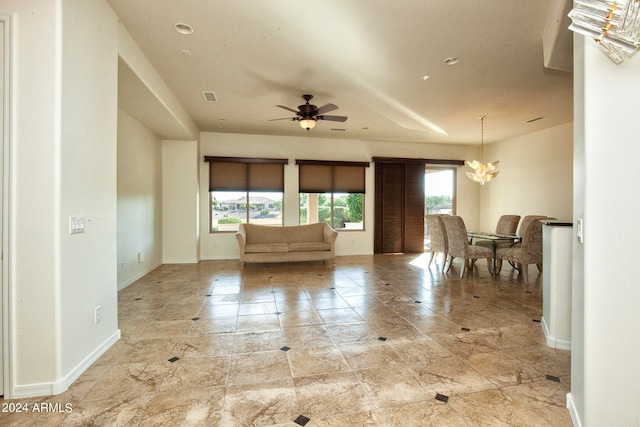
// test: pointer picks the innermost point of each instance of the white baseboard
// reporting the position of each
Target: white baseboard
(180, 261)
(138, 276)
(553, 342)
(573, 411)
(62, 384)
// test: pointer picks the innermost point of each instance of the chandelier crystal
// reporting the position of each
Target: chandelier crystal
(613, 25)
(482, 172)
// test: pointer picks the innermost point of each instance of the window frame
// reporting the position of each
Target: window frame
(330, 178)
(245, 175)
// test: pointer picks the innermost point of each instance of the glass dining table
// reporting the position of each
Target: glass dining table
(494, 238)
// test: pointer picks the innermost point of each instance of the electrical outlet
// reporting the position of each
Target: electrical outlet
(97, 315)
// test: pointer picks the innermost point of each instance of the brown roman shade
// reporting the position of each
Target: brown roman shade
(318, 176)
(245, 174)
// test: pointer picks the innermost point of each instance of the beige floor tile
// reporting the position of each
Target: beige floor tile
(373, 340)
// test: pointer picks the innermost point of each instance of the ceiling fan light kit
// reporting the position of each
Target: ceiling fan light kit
(613, 25)
(308, 114)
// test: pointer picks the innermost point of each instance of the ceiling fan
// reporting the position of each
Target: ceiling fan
(308, 114)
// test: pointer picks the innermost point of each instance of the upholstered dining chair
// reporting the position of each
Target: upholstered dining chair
(459, 246)
(438, 237)
(507, 224)
(528, 251)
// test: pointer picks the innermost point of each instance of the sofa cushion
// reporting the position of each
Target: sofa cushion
(258, 234)
(266, 247)
(309, 247)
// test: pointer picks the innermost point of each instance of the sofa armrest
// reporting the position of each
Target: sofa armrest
(241, 237)
(330, 235)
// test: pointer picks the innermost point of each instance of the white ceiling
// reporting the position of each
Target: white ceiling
(366, 56)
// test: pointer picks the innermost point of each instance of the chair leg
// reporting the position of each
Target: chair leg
(464, 264)
(490, 266)
(498, 266)
(444, 261)
(451, 258)
(525, 273)
(430, 259)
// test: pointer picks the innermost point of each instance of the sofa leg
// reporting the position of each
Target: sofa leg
(241, 265)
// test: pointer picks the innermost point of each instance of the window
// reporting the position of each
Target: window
(439, 190)
(245, 191)
(439, 193)
(332, 192)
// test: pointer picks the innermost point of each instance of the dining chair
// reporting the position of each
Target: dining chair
(507, 224)
(528, 251)
(459, 246)
(438, 238)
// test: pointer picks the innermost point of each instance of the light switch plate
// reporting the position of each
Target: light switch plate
(580, 230)
(76, 224)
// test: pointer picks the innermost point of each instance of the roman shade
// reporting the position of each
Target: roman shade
(316, 176)
(246, 174)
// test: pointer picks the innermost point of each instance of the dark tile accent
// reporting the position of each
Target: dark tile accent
(465, 329)
(332, 288)
(207, 295)
(529, 292)
(159, 281)
(537, 320)
(382, 338)
(476, 296)
(553, 378)
(138, 299)
(278, 313)
(442, 397)
(195, 318)
(417, 302)
(174, 359)
(285, 348)
(302, 420)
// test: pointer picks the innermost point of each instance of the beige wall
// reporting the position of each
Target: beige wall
(139, 199)
(536, 176)
(63, 163)
(180, 202)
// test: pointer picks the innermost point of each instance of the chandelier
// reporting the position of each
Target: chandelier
(613, 25)
(483, 172)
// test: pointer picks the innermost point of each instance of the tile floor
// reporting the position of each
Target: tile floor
(376, 340)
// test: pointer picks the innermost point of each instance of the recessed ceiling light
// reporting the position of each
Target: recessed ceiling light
(425, 77)
(452, 60)
(183, 29)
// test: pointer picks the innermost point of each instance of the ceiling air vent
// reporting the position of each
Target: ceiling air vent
(535, 119)
(210, 96)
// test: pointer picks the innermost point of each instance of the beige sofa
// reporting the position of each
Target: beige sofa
(264, 243)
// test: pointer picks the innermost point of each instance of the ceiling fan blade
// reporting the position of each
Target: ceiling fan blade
(326, 108)
(288, 109)
(284, 118)
(333, 118)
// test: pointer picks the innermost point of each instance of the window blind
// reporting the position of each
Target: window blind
(317, 176)
(245, 174)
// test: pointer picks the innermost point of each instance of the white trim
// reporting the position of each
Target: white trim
(62, 384)
(573, 411)
(552, 341)
(5, 294)
(138, 276)
(180, 261)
